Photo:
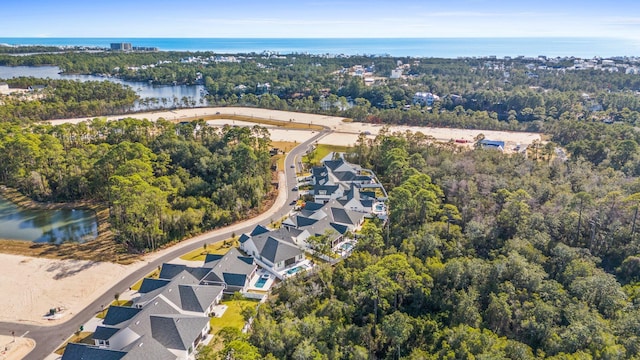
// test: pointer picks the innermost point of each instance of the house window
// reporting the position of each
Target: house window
(106, 343)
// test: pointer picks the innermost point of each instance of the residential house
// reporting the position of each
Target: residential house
(277, 249)
(232, 269)
(161, 326)
(332, 220)
(425, 98)
(184, 291)
(145, 348)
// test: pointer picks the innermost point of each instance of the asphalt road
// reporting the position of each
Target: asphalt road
(49, 338)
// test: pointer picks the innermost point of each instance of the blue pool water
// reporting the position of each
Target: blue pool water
(260, 283)
(293, 270)
(379, 207)
(346, 246)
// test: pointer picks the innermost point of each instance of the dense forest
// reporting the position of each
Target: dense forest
(507, 94)
(161, 181)
(486, 256)
(64, 99)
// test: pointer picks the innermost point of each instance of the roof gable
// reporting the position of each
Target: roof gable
(177, 331)
(150, 284)
(75, 351)
(147, 348)
(198, 297)
(104, 333)
(169, 271)
(119, 314)
(231, 266)
(275, 250)
(259, 230)
(312, 206)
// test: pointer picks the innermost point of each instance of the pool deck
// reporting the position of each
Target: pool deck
(304, 265)
(256, 278)
(338, 249)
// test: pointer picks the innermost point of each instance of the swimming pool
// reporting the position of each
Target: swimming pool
(260, 283)
(293, 270)
(380, 207)
(346, 246)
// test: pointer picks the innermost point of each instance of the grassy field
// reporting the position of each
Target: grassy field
(233, 316)
(285, 146)
(321, 152)
(219, 248)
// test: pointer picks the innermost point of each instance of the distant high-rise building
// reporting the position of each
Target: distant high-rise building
(121, 46)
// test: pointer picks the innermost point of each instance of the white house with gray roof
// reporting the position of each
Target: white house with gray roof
(232, 270)
(184, 291)
(276, 249)
(161, 327)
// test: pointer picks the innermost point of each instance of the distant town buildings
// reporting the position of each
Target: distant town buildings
(128, 47)
(121, 46)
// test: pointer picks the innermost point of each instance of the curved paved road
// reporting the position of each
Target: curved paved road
(49, 338)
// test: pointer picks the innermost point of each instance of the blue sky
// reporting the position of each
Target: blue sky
(320, 18)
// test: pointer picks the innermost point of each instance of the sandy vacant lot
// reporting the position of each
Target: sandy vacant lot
(37, 285)
(15, 350)
(347, 132)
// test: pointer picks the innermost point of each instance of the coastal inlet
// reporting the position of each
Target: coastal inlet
(152, 97)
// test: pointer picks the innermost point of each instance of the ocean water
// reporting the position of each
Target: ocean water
(416, 47)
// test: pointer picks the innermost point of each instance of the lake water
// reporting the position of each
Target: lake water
(52, 226)
(174, 95)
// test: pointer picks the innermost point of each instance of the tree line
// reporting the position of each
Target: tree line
(161, 181)
(63, 99)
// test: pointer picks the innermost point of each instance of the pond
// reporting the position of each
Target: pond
(167, 96)
(52, 226)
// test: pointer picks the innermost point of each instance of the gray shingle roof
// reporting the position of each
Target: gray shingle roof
(171, 291)
(104, 333)
(177, 331)
(140, 324)
(242, 239)
(169, 271)
(341, 216)
(232, 268)
(328, 189)
(119, 314)
(274, 247)
(312, 206)
(345, 175)
(88, 352)
(334, 164)
(151, 284)
(198, 297)
(259, 230)
(147, 348)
